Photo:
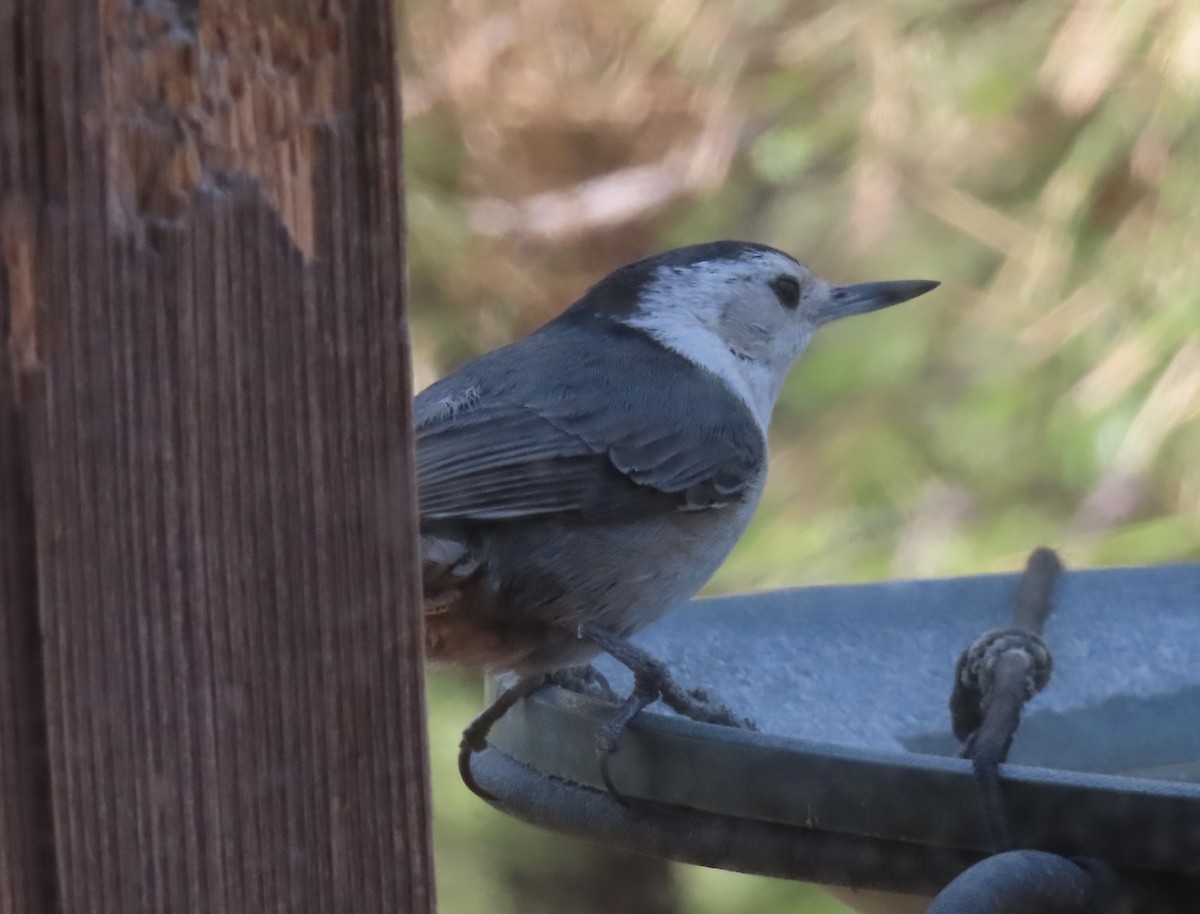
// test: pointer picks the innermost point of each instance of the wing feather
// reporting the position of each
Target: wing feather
(509, 436)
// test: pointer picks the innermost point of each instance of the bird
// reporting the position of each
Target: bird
(578, 483)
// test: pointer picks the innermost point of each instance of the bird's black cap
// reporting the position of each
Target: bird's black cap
(616, 295)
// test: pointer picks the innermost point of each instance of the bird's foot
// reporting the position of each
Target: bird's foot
(646, 689)
(474, 738)
(698, 704)
(585, 680)
(652, 680)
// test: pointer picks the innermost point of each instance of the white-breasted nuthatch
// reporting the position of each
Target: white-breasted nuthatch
(578, 483)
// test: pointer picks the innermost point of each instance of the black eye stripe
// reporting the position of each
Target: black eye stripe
(787, 290)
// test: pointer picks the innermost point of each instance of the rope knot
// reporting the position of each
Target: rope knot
(978, 668)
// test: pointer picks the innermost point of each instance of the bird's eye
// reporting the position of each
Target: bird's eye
(787, 290)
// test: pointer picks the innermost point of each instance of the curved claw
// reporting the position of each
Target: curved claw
(609, 785)
(474, 738)
(465, 751)
(605, 749)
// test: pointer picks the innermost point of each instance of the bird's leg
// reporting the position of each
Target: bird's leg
(651, 681)
(474, 738)
(645, 691)
(694, 704)
(586, 680)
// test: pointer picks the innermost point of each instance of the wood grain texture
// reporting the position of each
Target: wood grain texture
(26, 877)
(217, 386)
(26, 838)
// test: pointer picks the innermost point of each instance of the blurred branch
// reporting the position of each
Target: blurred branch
(969, 214)
(465, 64)
(1174, 400)
(618, 197)
(1091, 48)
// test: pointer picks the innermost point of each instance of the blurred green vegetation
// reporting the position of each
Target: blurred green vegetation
(1042, 159)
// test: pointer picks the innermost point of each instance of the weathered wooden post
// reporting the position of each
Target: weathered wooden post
(210, 683)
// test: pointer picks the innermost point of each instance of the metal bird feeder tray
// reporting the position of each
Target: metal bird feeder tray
(853, 777)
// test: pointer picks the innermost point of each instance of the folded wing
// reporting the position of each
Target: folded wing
(513, 435)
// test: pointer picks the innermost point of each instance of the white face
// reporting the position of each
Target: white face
(741, 319)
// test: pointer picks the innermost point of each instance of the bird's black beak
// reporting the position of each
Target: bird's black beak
(845, 301)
